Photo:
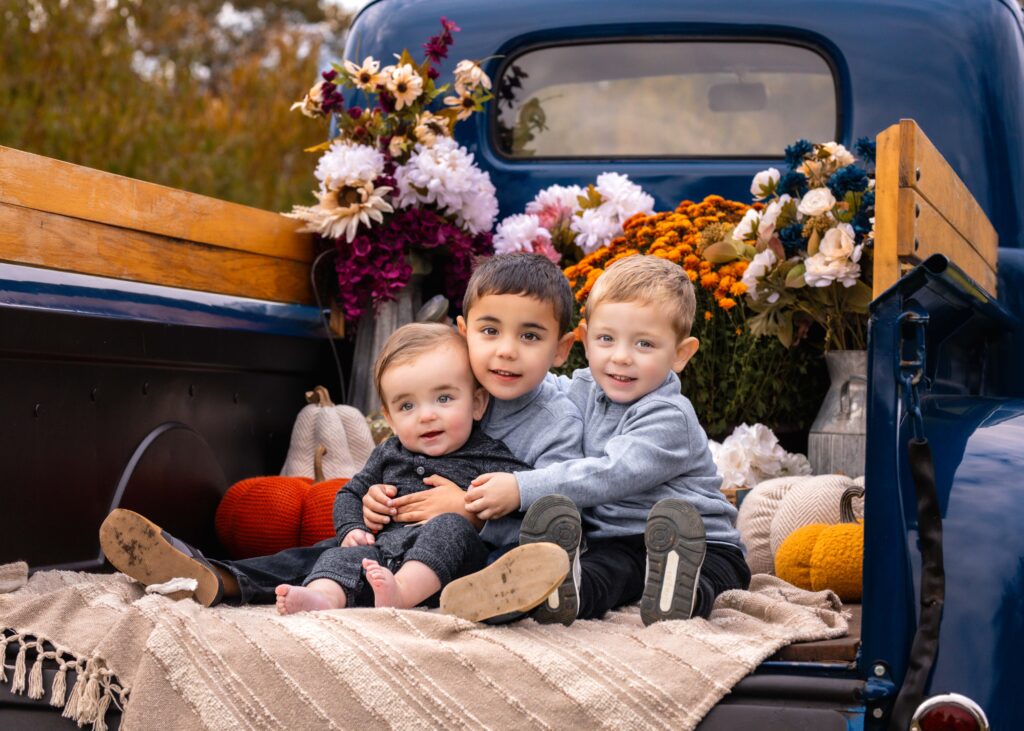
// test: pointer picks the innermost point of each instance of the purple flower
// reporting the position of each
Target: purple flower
(449, 25)
(436, 49)
(329, 75)
(433, 73)
(355, 112)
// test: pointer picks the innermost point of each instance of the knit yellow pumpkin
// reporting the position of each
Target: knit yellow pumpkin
(820, 556)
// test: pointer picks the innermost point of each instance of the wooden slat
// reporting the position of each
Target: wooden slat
(59, 242)
(918, 198)
(924, 231)
(886, 267)
(923, 168)
(53, 186)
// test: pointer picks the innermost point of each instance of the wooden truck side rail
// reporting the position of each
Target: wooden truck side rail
(923, 208)
(57, 215)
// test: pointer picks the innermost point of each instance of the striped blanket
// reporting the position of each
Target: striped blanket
(186, 667)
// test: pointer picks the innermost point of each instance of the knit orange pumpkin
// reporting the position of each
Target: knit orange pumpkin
(820, 556)
(260, 516)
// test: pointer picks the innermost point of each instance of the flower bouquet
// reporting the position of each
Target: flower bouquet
(736, 376)
(808, 242)
(752, 454)
(396, 193)
(564, 223)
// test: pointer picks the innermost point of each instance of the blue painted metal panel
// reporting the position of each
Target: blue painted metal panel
(955, 67)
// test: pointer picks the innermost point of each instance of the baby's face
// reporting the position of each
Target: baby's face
(432, 401)
(631, 348)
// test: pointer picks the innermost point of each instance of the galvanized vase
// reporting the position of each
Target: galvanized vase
(838, 437)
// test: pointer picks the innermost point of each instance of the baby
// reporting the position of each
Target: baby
(431, 401)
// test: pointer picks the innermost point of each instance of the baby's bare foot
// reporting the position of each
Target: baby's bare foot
(386, 591)
(292, 599)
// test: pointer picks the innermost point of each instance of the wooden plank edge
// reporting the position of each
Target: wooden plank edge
(885, 267)
(64, 243)
(54, 186)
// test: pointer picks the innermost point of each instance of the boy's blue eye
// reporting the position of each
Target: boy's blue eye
(644, 344)
(444, 398)
(406, 406)
(604, 338)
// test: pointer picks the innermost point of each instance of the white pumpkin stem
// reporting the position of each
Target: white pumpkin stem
(318, 463)
(319, 396)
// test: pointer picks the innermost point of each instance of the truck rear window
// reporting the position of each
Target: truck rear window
(663, 99)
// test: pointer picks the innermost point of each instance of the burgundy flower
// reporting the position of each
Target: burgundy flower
(330, 75)
(355, 112)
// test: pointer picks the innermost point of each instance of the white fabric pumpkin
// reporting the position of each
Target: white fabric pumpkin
(341, 430)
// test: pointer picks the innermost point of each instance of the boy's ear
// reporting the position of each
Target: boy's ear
(387, 416)
(480, 400)
(684, 351)
(564, 346)
(460, 322)
(582, 328)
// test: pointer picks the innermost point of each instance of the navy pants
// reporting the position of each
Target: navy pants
(450, 546)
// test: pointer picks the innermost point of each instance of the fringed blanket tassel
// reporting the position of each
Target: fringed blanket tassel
(95, 686)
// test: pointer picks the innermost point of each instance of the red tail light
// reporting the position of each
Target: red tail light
(949, 712)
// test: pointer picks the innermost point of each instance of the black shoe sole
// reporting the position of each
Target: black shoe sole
(676, 546)
(555, 519)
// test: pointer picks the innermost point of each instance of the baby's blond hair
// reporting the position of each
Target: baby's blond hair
(648, 280)
(410, 342)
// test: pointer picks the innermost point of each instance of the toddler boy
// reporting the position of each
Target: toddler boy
(658, 527)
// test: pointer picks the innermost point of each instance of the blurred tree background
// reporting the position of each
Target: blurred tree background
(193, 94)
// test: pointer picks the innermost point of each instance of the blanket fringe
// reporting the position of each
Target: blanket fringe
(94, 690)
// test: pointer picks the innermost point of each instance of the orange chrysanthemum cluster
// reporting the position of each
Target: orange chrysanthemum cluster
(675, 236)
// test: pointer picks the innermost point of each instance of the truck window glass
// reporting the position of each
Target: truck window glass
(663, 99)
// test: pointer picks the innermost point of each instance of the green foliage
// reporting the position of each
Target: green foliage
(162, 91)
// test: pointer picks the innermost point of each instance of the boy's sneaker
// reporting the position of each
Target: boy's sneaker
(555, 519)
(140, 549)
(511, 586)
(676, 546)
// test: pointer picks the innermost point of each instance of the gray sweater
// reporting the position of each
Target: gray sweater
(541, 428)
(634, 455)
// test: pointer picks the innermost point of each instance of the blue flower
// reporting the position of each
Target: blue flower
(792, 238)
(796, 152)
(867, 201)
(865, 149)
(846, 179)
(793, 183)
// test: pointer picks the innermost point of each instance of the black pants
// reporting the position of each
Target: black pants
(463, 554)
(612, 575)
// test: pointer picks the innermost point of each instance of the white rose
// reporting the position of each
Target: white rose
(817, 202)
(764, 183)
(759, 266)
(839, 153)
(837, 243)
(822, 271)
(747, 225)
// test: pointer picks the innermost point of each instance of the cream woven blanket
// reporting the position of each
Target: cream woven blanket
(181, 666)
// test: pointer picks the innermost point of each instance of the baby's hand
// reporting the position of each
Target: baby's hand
(443, 497)
(376, 506)
(357, 537)
(493, 495)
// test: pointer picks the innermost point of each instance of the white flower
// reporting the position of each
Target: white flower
(766, 226)
(839, 153)
(795, 464)
(838, 242)
(764, 183)
(429, 127)
(367, 76)
(817, 202)
(622, 197)
(464, 102)
(594, 229)
(469, 75)
(346, 163)
(748, 224)
(752, 454)
(822, 271)
(446, 176)
(734, 467)
(341, 210)
(405, 85)
(518, 233)
(762, 263)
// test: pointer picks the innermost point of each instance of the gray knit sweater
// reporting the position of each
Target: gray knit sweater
(634, 455)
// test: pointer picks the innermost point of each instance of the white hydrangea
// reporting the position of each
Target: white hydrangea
(762, 263)
(445, 175)
(752, 454)
(518, 233)
(555, 197)
(346, 163)
(594, 229)
(622, 197)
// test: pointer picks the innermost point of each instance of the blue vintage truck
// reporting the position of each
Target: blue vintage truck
(107, 385)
